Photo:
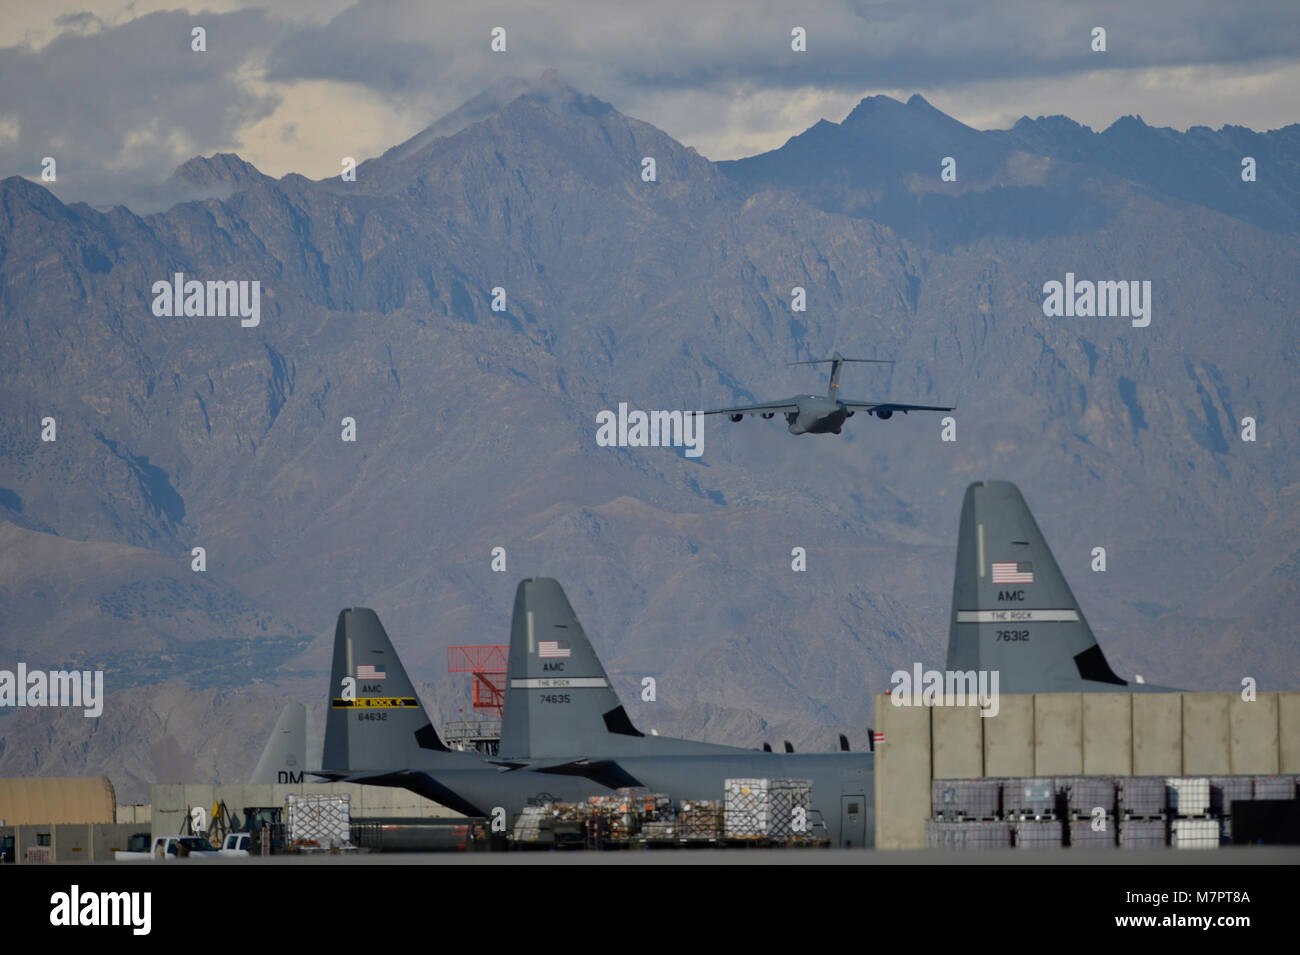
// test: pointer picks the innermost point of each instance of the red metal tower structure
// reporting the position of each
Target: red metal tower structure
(486, 663)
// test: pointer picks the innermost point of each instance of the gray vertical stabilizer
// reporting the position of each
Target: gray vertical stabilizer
(1012, 610)
(285, 756)
(558, 698)
(375, 720)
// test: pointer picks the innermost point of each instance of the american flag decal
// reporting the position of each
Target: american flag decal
(366, 671)
(1013, 572)
(877, 738)
(552, 648)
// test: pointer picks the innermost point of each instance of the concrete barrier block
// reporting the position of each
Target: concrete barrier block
(1288, 732)
(1009, 737)
(261, 795)
(200, 794)
(168, 797)
(958, 741)
(1205, 734)
(1157, 734)
(1058, 734)
(1253, 734)
(1107, 734)
(105, 840)
(72, 842)
(902, 775)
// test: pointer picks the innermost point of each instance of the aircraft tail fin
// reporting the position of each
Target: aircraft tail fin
(836, 361)
(375, 718)
(558, 698)
(1012, 610)
(285, 756)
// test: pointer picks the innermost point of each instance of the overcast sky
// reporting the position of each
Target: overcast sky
(113, 91)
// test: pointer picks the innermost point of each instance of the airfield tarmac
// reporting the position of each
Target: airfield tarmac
(1225, 856)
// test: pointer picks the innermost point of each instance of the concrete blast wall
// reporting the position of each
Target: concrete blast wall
(1089, 734)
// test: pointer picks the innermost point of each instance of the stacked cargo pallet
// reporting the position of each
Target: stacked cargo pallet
(620, 816)
(318, 821)
(966, 815)
(612, 819)
(1090, 811)
(766, 810)
(700, 821)
(1143, 812)
(533, 826)
(1191, 826)
(967, 834)
(1031, 804)
(1224, 791)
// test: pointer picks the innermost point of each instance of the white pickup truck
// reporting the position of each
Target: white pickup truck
(170, 847)
(236, 846)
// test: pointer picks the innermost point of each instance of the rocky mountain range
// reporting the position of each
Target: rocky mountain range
(475, 428)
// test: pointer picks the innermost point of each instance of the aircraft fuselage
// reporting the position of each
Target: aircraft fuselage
(817, 415)
(842, 785)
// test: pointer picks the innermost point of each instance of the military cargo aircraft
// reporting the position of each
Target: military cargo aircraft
(823, 414)
(566, 735)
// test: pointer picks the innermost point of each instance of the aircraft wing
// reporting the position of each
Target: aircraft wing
(367, 776)
(606, 772)
(771, 407)
(872, 407)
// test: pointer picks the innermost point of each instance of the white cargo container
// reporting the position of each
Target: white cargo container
(1188, 796)
(1195, 834)
(320, 818)
(766, 808)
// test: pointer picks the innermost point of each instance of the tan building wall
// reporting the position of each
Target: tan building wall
(52, 799)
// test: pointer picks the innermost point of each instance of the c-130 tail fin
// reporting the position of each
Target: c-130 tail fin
(1012, 610)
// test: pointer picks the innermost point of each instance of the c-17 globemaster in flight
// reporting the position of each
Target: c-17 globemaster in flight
(822, 414)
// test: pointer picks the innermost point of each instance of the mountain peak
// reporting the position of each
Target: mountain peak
(219, 169)
(873, 106)
(1127, 123)
(549, 89)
